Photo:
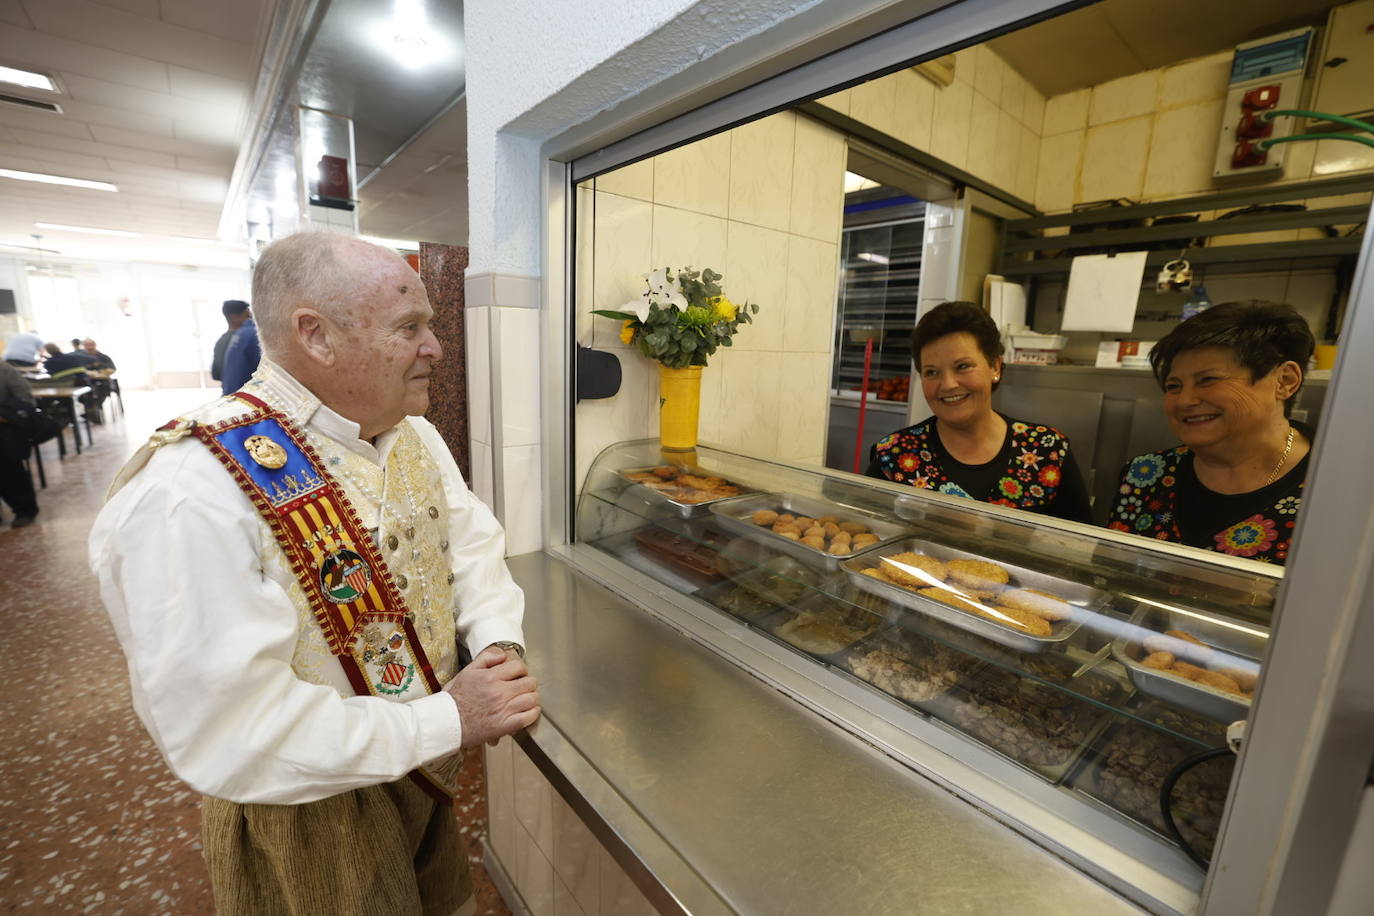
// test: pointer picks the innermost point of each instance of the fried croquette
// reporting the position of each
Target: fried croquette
(791, 534)
(1246, 678)
(839, 548)
(1220, 682)
(863, 540)
(854, 527)
(764, 517)
(815, 531)
(816, 543)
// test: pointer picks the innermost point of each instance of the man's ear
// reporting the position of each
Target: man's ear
(313, 336)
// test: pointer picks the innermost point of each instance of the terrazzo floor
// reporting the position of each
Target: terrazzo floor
(91, 820)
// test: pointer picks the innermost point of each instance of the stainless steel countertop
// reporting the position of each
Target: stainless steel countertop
(735, 797)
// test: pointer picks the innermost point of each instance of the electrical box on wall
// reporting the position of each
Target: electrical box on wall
(1266, 75)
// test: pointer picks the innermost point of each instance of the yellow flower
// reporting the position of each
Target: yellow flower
(627, 332)
(725, 309)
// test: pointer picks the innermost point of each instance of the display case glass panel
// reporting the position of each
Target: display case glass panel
(1103, 664)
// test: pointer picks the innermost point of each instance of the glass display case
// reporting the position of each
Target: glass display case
(1105, 666)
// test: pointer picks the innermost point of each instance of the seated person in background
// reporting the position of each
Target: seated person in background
(966, 448)
(1235, 484)
(100, 360)
(70, 369)
(66, 368)
(16, 486)
(24, 349)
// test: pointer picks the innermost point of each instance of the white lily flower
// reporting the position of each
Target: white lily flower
(663, 291)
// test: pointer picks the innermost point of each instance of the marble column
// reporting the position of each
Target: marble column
(441, 269)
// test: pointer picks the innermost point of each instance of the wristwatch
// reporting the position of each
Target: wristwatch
(507, 644)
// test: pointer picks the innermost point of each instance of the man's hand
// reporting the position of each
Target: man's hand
(495, 695)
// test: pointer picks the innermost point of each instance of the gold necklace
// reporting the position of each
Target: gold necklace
(1287, 447)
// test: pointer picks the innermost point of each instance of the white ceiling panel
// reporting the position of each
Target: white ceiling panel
(118, 30)
(109, 151)
(154, 95)
(25, 46)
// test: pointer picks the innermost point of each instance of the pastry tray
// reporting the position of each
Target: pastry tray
(735, 513)
(685, 510)
(1083, 598)
(1234, 648)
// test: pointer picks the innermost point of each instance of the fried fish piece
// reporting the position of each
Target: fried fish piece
(1246, 678)
(875, 572)
(1008, 617)
(979, 574)
(666, 472)
(1041, 604)
(641, 477)
(898, 566)
(1184, 645)
(1191, 672)
(1220, 682)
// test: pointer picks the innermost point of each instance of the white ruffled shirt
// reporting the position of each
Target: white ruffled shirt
(209, 637)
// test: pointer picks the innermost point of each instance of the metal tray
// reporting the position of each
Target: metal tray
(1233, 647)
(1085, 598)
(756, 598)
(991, 686)
(819, 604)
(920, 651)
(735, 513)
(1135, 792)
(685, 510)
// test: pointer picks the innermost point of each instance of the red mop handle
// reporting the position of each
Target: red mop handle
(863, 405)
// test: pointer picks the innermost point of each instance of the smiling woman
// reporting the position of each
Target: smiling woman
(966, 448)
(1235, 482)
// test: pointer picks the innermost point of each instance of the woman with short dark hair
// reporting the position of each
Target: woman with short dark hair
(1235, 484)
(966, 448)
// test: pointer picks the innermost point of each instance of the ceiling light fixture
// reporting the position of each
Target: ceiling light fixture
(26, 78)
(57, 179)
(409, 38)
(92, 230)
(399, 244)
(198, 241)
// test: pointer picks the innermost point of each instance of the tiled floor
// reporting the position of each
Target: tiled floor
(91, 820)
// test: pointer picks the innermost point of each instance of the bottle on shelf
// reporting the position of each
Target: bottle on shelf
(1197, 302)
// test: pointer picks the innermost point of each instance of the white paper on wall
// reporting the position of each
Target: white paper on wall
(1103, 291)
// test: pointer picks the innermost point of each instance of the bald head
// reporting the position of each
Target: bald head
(322, 271)
(350, 321)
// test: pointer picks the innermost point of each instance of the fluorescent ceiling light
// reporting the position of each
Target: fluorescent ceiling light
(402, 244)
(198, 241)
(854, 182)
(26, 78)
(59, 227)
(408, 37)
(57, 179)
(873, 257)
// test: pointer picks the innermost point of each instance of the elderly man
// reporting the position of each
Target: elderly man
(98, 360)
(290, 571)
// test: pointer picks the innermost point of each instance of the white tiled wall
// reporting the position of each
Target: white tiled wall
(762, 205)
(1153, 136)
(556, 864)
(987, 122)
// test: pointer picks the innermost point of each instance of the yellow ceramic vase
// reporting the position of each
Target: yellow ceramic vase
(679, 404)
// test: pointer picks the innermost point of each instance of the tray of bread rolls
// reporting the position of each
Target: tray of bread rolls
(1017, 607)
(812, 530)
(1209, 665)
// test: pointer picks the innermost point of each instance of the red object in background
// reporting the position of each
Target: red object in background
(414, 261)
(333, 172)
(863, 405)
(1260, 98)
(1253, 128)
(1247, 153)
